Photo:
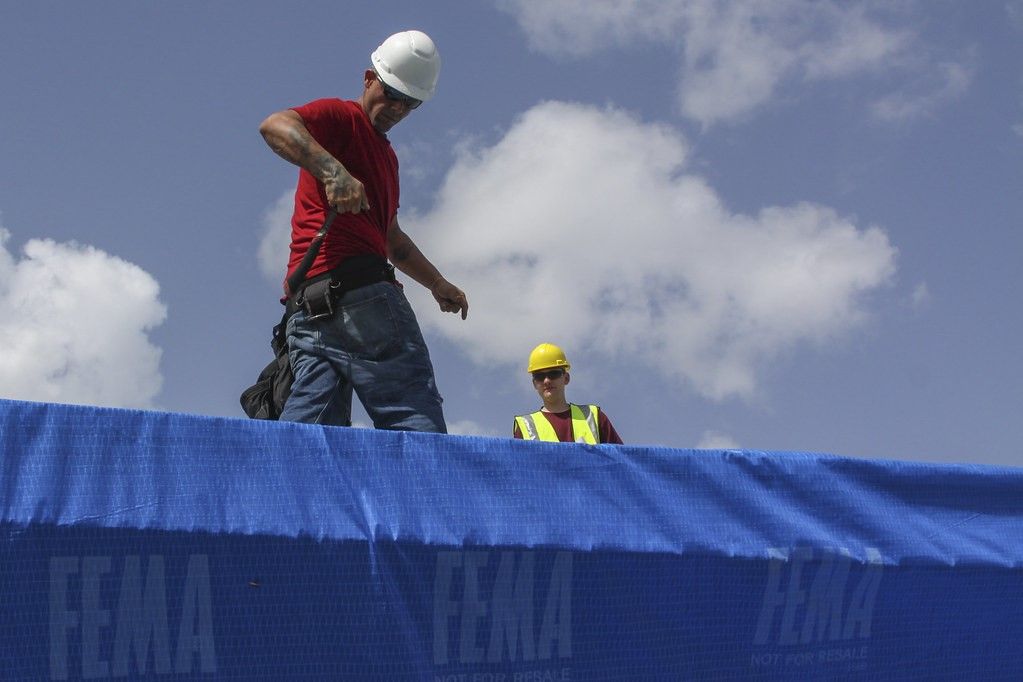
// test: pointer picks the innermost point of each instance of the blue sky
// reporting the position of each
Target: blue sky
(777, 225)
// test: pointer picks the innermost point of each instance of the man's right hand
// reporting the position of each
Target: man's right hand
(344, 192)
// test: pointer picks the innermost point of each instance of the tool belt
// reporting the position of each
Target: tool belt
(317, 295)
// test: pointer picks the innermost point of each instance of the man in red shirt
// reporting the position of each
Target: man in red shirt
(558, 419)
(353, 328)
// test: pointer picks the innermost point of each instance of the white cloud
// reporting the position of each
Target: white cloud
(737, 55)
(921, 296)
(467, 427)
(73, 326)
(713, 440)
(948, 82)
(581, 225)
(581, 27)
(275, 243)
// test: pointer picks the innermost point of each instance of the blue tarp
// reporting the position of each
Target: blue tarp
(145, 545)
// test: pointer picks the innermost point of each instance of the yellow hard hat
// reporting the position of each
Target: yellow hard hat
(547, 356)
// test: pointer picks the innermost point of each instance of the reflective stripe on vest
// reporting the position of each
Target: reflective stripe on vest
(584, 426)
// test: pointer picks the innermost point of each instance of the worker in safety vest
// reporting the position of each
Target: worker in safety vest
(559, 420)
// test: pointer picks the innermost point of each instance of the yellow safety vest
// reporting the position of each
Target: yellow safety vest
(584, 425)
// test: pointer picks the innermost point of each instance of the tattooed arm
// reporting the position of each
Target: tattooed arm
(287, 135)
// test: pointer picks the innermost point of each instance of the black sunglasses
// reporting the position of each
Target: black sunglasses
(397, 95)
(549, 374)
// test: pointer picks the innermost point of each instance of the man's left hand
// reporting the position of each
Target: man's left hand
(450, 298)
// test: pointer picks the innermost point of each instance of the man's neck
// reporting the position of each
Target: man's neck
(563, 406)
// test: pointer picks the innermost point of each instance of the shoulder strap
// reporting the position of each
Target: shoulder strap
(310, 255)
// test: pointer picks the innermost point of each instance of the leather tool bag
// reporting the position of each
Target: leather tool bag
(265, 399)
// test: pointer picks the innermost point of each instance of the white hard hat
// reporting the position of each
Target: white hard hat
(408, 62)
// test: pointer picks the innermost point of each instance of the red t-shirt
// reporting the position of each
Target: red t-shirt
(344, 130)
(562, 423)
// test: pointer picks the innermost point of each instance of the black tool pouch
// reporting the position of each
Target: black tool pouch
(265, 399)
(317, 299)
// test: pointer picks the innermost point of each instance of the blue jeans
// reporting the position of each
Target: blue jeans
(371, 344)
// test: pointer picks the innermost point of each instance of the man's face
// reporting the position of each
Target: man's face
(384, 106)
(550, 384)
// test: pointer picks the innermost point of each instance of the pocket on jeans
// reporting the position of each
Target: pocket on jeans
(368, 329)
